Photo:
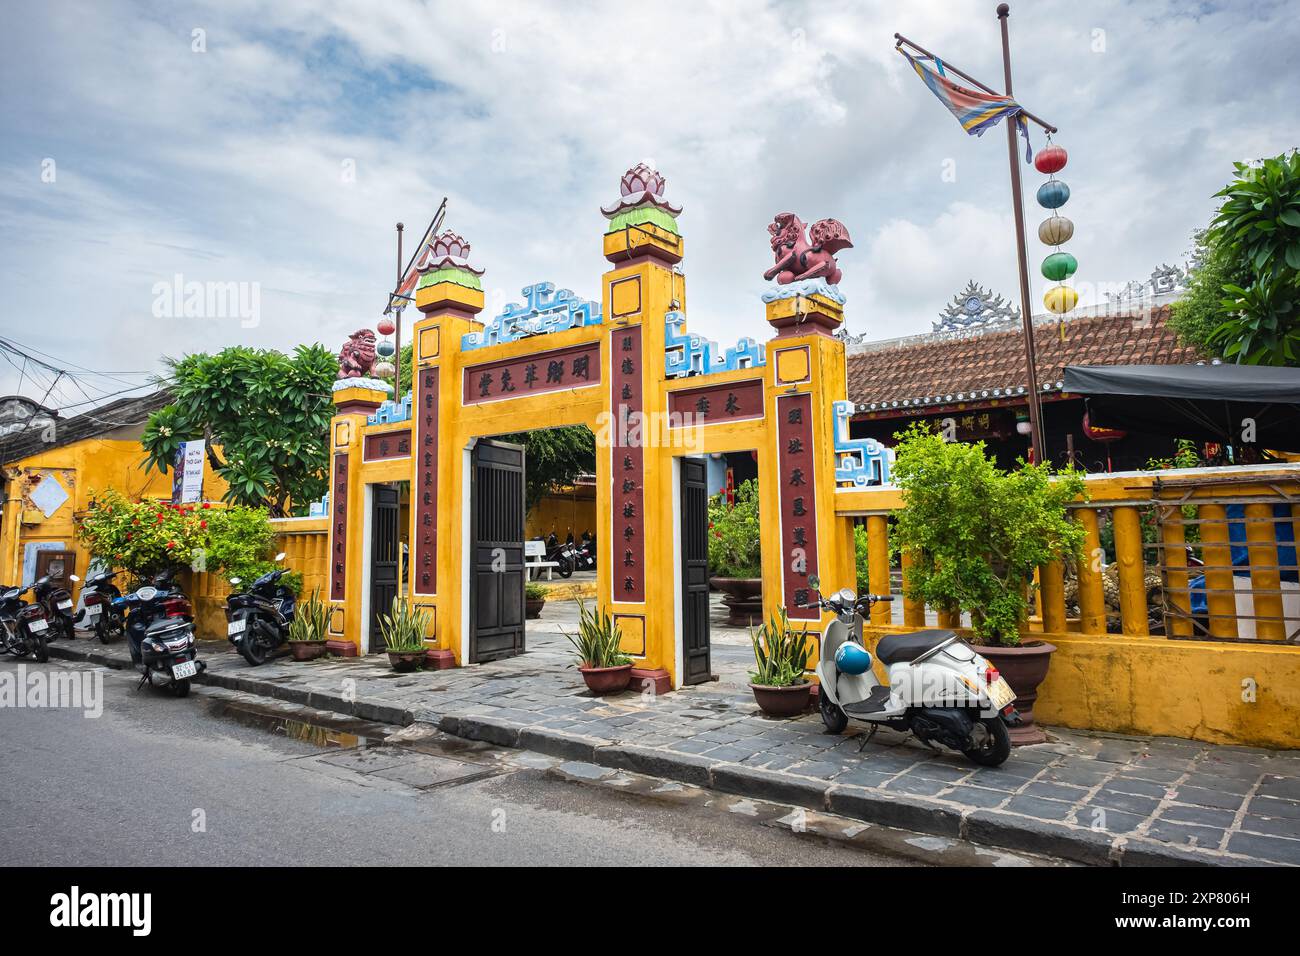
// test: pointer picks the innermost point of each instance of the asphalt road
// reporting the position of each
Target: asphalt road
(159, 781)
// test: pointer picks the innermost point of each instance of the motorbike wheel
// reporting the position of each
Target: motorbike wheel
(996, 747)
(565, 569)
(39, 649)
(181, 688)
(69, 629)
(254, 651)
(833, 715)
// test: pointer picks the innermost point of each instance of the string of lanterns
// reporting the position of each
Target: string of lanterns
(385, 348)
(1056, 230)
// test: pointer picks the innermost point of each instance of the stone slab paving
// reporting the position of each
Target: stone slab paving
(1093, 798)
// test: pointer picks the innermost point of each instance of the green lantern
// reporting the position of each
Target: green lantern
(1059, 265)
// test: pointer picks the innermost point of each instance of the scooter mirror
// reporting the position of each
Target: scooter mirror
(235, 580)
(280, 556)
(814, 582)
(73, 577)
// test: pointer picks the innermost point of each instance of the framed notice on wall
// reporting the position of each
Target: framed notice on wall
(187, 475)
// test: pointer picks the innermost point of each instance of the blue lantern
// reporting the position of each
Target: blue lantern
(1053, 194)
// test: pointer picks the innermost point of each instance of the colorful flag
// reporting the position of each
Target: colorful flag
(974, 109)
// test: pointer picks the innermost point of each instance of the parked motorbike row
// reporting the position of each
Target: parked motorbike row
(571, 556)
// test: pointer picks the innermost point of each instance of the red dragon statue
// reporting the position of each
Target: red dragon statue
(797, 259)
(357, 354)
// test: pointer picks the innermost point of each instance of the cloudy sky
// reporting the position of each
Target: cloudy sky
(275, 145)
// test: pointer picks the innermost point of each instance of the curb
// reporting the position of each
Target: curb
(994, 828)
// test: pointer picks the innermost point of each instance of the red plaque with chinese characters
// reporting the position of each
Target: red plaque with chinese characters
(339, 528)
(627, 541)
(386, 445)
(424, 492)
(795, 465)
(714, 404)
(539, 372)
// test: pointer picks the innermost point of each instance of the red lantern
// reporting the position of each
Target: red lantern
(386, 326)
(1050, 159)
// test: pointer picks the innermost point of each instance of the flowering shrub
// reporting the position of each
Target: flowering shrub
(734, 547)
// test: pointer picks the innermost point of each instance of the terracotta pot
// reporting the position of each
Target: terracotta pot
(405, 661)
(306, 650)
(533, 607)
(783, 701)
(744, 599)
(607, 680)
(1024, 667)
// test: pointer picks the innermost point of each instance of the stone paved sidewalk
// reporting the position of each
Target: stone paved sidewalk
(1092, 798)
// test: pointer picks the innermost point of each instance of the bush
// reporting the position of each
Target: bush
(976, 533)
(735, 549)
(780, 653)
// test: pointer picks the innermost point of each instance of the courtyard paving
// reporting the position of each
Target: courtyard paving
(1088, 797)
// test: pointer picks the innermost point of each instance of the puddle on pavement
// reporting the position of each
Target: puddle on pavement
(327, 733)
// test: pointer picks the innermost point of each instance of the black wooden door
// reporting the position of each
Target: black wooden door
(695, 572)
(385, 559)
(496, 610)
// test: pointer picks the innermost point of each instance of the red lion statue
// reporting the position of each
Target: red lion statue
(797, 259)
(357, 354)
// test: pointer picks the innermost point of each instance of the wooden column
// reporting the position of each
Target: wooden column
(1052, 586)
(1092, 598)
(1265, 578)
(1132, 586)
(878, 565)
(1220, 597)
(913, 611)
(1175, 560)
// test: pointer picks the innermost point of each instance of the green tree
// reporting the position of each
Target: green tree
(1244, 300)
(554, 458)
(265, 416)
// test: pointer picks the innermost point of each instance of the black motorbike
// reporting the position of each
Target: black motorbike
(25, 626)
(258, 619)
(561, 554)
(160, 634)
(97, 610)
(57, 602)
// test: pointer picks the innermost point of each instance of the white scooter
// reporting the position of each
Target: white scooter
(939, 688)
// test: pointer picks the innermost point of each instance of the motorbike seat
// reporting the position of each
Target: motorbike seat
(898, 648)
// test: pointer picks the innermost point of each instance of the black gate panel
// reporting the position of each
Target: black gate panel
(496, 617)
(695, 572)
(385, 558)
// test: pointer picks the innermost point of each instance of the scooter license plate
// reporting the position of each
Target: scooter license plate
(93, 610)
(184, 670)
(36, 624)
(237, 627)
(1001, 693)
(65, 605)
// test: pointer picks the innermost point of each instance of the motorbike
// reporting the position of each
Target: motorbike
(160, 634)
(25, 626)
(97, 608)
(57, 602)
(577, 557)
(559, 554)
(258, 619)
(939, 688)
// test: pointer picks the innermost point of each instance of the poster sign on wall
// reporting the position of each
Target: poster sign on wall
(187, 475)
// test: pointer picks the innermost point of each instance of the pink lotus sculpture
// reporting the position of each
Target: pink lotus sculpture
(640, 185)
(798, 258)
(447, 249)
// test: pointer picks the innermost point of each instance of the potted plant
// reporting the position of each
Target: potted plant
(403, 631)
(604, 666)
(976, 535)
(735, 555)
(781, 657)
(534, 598)
(308, 627)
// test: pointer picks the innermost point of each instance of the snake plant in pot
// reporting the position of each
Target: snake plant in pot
(403, 631)
(604, 666)
(781, 658)
(308, 627)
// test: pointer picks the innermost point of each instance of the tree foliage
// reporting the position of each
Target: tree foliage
(734, 539)
(555, 457)
(1244, 300)
(268, 413)
(977, 533)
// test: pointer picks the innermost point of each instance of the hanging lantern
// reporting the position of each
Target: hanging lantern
(1050, 159)
(383, 369)
(1060, 299)
(1101, 433)
(1053, 194)
(1055, 230)
(1059, 265)
(386, 326)
(385, 348)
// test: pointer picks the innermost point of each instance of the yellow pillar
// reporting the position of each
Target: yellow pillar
(1175, 553)
(949, 617)
(1220, 598)
(878, 565)
(1132, 584)
(1092, 598)
(1265, 578)
(913, 611)
(1052, 587)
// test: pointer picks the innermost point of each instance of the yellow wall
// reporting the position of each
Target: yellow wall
(563, 512)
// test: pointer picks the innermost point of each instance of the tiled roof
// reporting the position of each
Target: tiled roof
(106, 418)
(926, 369)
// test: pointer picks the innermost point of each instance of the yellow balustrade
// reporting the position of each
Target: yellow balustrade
(913, 610)
(1132, 570)
(1265, 574)
(1052, 594)
(878, 565)
(1220, 597)
(1092, 597)
(1175, 560)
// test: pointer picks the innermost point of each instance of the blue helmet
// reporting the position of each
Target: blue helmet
(852, 658)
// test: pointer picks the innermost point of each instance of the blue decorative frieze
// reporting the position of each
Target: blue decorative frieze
(863, 461)
(320, 509)
(543, 311)
(688, 354)
(390, 412)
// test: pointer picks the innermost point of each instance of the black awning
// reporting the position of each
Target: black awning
(1200, 402)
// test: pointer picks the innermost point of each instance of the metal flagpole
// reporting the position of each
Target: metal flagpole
(397, 325)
